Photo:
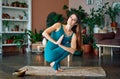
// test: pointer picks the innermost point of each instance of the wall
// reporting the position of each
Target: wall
(83, 3)
(77, 3)
(41, 8)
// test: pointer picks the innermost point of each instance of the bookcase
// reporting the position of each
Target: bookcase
(15, 18)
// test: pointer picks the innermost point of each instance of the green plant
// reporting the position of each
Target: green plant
(25, 4)
(20, 40)
(100, 15)
(25, 14)
(86, 39)
(6, 23)
(53, 17)
(90, 22)
(117, 5)
(96, 16)
(112, 12)
(80, 11)
(34, 37)
(94, 45)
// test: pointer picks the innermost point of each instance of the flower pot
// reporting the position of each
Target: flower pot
(96, 52)
(96, 29)
(87, 48)
(114, 24)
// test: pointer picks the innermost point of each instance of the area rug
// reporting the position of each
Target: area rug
(71, 71)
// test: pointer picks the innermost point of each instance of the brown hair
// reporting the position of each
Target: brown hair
(77, 29)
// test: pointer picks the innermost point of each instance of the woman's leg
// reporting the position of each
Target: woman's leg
(64, 55)
(57, 61)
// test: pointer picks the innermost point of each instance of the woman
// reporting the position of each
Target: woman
(62, 41)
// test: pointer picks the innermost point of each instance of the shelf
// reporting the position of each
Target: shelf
(11, 44)
(15, 8)
(17, 19)
(13, 20)
(14, 32)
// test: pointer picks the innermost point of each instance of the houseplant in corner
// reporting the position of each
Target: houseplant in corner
(112, 12)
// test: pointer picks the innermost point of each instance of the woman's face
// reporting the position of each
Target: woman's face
(72, 20)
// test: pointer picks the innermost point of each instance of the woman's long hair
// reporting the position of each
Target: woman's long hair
(77, 29)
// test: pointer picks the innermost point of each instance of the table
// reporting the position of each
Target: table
(110, 46)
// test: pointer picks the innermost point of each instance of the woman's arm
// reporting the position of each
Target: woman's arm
(49, 30)
(71, 49)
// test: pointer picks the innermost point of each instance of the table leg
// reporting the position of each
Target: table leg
(111, 50)
(68, 61)
(99, 51)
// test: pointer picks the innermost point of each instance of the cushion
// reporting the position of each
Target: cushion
(102, 36)
(110, 42)
(117, 36)
(109, 35)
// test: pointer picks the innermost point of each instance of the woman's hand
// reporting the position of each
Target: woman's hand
(60, 40)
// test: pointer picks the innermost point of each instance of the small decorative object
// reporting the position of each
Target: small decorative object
(13, 17)
(20, 5)
(3, 4)
(21, 29)
(96, 29)
(20, 17)
(16, 27)
(20, 73)
(25, 5)
(25, 15)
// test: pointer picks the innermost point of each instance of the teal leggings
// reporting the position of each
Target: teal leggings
(55, 55)
(57, 62)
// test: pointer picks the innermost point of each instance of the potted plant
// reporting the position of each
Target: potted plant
(53, 17)
(16, 27)
(20, 41)
(25, 5)
(100, 15)
(112, 12)
(35, 36)
(6, 25)
(96, 18)
(87, 46)
(80, 11)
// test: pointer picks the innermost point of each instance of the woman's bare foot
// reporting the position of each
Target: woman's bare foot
(60, 69)
(57, 71)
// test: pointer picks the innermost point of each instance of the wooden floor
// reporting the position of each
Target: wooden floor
(10, 63)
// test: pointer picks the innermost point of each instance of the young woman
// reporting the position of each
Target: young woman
(62, 41)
